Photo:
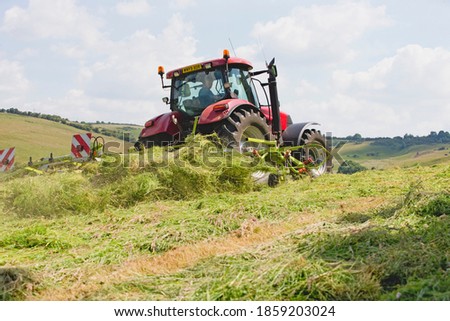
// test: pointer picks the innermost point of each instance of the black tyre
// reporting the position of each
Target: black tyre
(139, 146)
(313, 152)
(243, 124)
(315, 149)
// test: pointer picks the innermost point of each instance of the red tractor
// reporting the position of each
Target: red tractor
(219, 96)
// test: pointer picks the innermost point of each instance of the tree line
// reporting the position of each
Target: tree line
(399, 142)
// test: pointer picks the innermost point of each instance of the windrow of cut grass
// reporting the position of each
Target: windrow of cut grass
(179, 226)
(119, 183)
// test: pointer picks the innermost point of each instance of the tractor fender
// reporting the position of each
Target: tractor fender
(292, 136)
(222, 109)
(165, 123)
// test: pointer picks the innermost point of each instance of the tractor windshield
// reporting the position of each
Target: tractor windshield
(241, 86)
(193, 92)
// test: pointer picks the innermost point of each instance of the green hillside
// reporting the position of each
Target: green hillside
(36, 137)
(379, 157)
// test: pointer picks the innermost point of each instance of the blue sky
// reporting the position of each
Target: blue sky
(378, 68)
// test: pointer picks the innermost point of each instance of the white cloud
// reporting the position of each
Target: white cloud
(405, 93)
(413, 74)
(77, 105)
(111, 70)
(116, 80)
(322, 33)
(71, 51)
(122, 84)
(129, 70)
(26, 53)
(57, 19)
(13, 82)
(182, 4)
(133, 8)
(253, 53)
(306, 88)
(177, 43)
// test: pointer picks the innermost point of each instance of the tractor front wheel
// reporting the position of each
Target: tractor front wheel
(243, 124)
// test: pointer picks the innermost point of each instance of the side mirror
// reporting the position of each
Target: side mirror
(166, 100)
(274, 71)
(272, 68)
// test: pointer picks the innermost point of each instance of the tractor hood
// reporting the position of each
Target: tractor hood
(165, 123)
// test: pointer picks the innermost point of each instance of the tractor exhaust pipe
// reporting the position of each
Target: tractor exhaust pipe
(274, 103)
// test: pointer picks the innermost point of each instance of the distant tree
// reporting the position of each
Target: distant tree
(13, 111)
(357, 136)
(351, 167)
(443, 137)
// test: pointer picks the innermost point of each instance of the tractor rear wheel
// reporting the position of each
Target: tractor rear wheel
(314, 150)
(243, 124)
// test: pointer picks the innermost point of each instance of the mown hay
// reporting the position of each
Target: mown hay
(14, 283)
(200, 167)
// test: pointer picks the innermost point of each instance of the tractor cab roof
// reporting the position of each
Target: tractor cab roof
(209, 65)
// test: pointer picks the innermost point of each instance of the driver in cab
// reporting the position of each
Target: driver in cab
(205, 94)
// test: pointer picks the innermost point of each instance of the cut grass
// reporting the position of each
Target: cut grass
(107, 232)
(14, 284)
(51, 196)
(399, 257)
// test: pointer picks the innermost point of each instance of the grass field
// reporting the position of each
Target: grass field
(171, 228)
(194, 232)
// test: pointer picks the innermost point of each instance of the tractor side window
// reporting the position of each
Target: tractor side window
(194, 92)
(241, 87)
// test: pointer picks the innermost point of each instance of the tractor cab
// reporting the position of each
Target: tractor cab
(195, 87)
(216, 96)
